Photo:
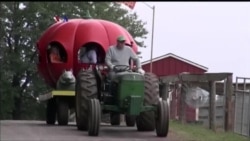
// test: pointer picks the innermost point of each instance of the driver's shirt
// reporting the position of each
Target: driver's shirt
(117, 56)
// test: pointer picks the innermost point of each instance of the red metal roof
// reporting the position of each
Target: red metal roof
(178, 58)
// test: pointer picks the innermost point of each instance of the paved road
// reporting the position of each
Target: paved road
(39, 131)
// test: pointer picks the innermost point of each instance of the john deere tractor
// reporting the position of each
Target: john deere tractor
(92, 93)
(127, 92)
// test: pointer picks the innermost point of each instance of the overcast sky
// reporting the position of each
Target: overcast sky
(213, 34)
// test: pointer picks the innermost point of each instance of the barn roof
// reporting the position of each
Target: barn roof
(178, 58)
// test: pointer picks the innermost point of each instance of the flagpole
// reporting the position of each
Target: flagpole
(152, 41)
(152, 36)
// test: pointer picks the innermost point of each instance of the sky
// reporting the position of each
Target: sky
(213, 34)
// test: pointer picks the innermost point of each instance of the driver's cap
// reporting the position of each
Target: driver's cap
(121, 38)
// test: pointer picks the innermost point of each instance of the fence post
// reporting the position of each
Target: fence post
(164, 87)
(228, 107)
(184, 88)
(212, 105)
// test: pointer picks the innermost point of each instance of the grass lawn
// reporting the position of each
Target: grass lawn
(192, 132)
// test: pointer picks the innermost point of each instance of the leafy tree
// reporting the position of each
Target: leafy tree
(18, 52)
(22, 23)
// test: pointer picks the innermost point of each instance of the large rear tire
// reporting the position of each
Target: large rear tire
(86, 89)
(162, 119)
(62, 111)
(146, 120)
(51, 111)
(94, 118)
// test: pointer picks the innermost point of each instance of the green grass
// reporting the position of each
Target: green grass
(194, 132)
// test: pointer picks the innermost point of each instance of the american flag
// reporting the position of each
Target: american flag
(56, 18)
(130, 4)
(60, 19)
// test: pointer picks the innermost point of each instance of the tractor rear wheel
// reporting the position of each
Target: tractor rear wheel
(62, 111)
(130, 120)
(162, 119)
(146, 120)
(94, 117)
(51, 111)
(115, 118)
(86, 89)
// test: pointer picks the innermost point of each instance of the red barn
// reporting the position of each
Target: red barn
(171, 64)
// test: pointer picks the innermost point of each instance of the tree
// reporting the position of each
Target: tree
(18, 52)
(21, 26)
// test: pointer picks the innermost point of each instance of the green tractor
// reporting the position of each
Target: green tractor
(127, 92)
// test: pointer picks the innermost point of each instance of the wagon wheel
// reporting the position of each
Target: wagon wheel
(51, 111)
(115, 118)
(62, 111)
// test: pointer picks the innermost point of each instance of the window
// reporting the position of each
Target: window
(84, 57)
(56, 53)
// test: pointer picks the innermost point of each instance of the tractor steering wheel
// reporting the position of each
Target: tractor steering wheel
(121, 68)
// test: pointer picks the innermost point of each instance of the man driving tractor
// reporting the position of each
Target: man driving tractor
(120, 54)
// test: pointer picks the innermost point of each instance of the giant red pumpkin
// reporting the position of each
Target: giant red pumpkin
(70, 36)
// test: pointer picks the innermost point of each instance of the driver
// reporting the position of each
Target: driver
(120, 54)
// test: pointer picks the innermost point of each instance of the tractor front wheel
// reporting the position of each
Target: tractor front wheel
(86, 88)
(94, 117)
(162, 119)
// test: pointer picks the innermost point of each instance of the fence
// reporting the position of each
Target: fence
(219, 113)
(193, 80)
(242, 108)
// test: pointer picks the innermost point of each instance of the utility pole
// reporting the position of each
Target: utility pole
(152, 37)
